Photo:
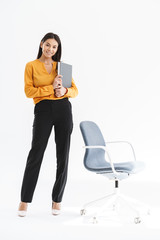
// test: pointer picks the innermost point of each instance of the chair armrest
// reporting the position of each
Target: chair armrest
(110, 160)
(134, 155)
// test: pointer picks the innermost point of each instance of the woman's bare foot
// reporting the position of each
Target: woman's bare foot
(56, 208)
(22, 206)
(22, 209)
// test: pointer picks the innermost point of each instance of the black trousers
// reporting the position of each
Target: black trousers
(48, 113)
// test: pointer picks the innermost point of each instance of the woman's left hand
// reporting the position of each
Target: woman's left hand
(59, 92)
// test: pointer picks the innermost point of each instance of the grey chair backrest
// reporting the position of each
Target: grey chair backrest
(92, 136)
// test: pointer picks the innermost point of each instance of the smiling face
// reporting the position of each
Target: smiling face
(49, 47)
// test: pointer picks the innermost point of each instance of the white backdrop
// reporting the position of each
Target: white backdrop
(114, 49)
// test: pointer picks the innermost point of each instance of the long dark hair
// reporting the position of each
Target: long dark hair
(57, 56)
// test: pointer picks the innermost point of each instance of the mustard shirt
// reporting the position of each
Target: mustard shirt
(38, 83)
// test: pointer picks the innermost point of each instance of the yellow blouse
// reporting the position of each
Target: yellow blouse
(38, 83)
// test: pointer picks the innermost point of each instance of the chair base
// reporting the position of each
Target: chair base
(116, 200)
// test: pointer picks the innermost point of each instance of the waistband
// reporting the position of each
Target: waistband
(51, 101)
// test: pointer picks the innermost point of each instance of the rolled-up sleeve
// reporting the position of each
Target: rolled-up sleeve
(72, 91)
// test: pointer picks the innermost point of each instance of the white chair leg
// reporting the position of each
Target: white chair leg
(136, 204)
(110, 201)
(103, 203)
(98, 200)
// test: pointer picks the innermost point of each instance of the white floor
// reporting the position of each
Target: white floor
(40, 224)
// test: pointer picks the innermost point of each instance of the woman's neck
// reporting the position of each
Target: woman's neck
(45, 60)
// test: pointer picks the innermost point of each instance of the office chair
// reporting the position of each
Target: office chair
(98, 160)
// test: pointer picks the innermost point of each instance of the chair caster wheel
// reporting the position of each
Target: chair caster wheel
(83, 212)
(137, 220)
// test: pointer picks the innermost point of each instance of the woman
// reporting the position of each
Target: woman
(52, 108)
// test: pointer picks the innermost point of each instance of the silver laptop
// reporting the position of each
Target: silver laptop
(65, 70)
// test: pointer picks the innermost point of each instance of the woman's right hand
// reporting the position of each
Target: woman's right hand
(57, 82)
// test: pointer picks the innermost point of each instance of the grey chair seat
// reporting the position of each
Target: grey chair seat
(126, 167)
